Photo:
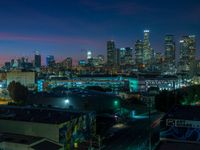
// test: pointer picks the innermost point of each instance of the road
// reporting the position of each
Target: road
(135, 135)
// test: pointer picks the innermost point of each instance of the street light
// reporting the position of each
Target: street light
(67, 101)
(116, 103)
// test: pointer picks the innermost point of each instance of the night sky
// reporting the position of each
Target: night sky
(68, 28)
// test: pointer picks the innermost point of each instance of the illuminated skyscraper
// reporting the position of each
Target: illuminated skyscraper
(128, 56)
(89, 54)
(101, 59)
(139, 54)
(89, 58)
(50, 61)
(37, 60)
(187, 54)
(111, 53)
(122, 54)
(125, 56)
(169, 65)
(147, 50)
(158, 62)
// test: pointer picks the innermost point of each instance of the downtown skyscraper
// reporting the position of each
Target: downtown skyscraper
(147, 50)
(128, 56)
(144, 53)
(187, 54)
(50, 61)
(37, 60)
(125, 56)
(139, 54)
(170, 56)
(111, 53)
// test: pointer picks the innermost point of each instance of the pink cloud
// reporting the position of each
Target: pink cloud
(48, 39)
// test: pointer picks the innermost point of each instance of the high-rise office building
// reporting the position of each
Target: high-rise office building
(89, 58)
(187, 54)
(37, 60)
(89, 54)
(117, 57)
(111, 53)
(122, 52)
(69, 62)
(125, 56)
(128, 56)
(170, 59)
(147, 50)
(101, 60)
(50, 61)
(139, 54)
(158, 62)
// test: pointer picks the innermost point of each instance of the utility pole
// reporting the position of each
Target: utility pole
(99, 142)
(149, 123)
(90, 144)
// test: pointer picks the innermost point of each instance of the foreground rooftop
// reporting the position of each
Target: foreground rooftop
(39, 115)
(170, 145)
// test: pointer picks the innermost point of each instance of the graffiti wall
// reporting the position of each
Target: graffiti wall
(77, 130)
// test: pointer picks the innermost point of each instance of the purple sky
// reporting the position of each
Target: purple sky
(68, 28)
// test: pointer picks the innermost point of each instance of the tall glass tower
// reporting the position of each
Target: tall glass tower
(147, 50)
(37, 60)
(139, 54)
(187, 54)
(111, 53)
(170, 59)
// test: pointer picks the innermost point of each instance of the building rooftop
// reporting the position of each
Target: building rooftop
(169, 145)
(186, 112)
(39, 115)
(18, 138)
(48, 145)
(37, 143)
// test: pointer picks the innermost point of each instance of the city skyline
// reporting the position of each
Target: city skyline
(65, 29)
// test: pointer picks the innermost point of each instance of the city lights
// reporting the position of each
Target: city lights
(116, 103)
(100, 74)
(67, 101)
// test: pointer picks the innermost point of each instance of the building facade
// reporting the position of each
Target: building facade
(26, 78)
(37, 60)
(59, 125)
(170, 60)
(111, 53)
(147, 50)
(50, 61)
(139, 54)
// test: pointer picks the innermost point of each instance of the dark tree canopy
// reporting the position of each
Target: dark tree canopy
(18, 92)
(184, 96)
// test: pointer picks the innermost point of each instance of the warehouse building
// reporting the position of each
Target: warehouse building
(59, 125)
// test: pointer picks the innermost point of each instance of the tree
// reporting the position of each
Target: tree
(186, 96)
(165, 100)
(18, 92)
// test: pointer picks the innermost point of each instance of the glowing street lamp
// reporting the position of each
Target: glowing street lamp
(116, 103)
(67, 101)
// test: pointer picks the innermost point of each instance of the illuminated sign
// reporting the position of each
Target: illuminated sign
(133, 83)
(183, 123)
(40, 85)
